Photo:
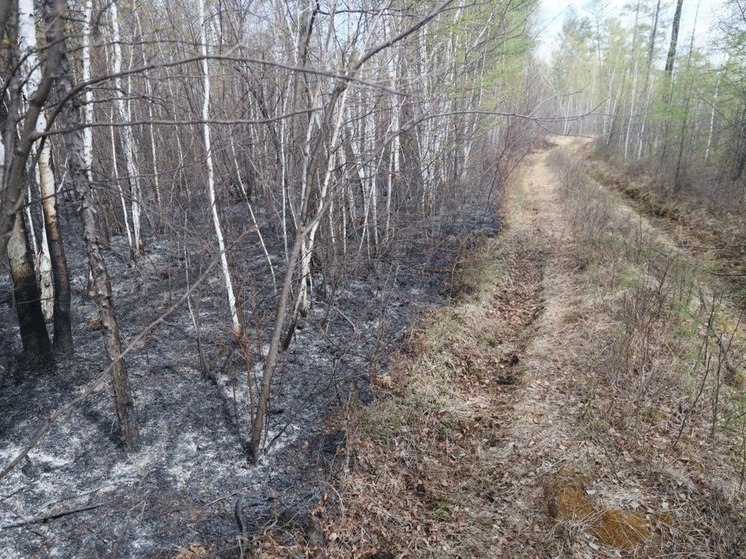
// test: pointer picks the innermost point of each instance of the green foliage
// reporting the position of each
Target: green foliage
(686, 124)
(496, 71)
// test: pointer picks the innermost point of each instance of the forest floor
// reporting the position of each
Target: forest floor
(78, 494)
(584, 397)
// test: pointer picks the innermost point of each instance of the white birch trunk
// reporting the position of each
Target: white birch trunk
(634, 84)
(88, 106)
(151, 126)
(394, 156)
(332, 233)
(46, 186)
(306, 285)
(115, 170)
(283, 175)
(236, 323)
(641, 135)
(29, 219)
(712, 121)
(31, 68)
(395, 164)
(128, 141)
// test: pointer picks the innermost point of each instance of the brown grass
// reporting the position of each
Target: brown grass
(194, 551)
(715, 230)
(622, 529)
(568, 500)
(665, 403)
(566, 496)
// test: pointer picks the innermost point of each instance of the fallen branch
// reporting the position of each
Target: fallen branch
(50, 504)
(51, 516)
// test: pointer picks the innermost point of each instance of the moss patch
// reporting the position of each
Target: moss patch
(622, 529)
(568, 500)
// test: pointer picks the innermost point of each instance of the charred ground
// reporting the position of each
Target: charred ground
(79, 494)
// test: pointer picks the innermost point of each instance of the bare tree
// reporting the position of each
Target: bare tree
(70, 119)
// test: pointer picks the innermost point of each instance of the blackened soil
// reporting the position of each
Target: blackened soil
(79, 495)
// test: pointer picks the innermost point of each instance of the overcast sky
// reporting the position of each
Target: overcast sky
(552, 14)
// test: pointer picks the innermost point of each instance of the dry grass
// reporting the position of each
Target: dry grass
(714, 229)
(568, 501)
(193, 551)
(665, 398)
(424, 463)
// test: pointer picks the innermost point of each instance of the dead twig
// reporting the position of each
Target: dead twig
(51, 516)
(724, 345)
(49, 504)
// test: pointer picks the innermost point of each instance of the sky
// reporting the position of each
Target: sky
(552, 14)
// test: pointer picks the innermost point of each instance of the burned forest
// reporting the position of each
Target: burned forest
(219, 219)
(372, 279)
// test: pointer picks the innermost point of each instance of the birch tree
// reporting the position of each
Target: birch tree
(60, 293)
(235, 321)
(18, 146)
(127, 138)
(313, 208)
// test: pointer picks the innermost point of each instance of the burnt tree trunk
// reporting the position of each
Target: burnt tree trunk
(27, 296)
(101, 284)
(12, 195)
(63, 337)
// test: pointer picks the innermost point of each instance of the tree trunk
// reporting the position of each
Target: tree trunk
(151, 127)
(26, 295)
(739, 161)
(128, 141)
(101, 285)
(63, 340)
(684, 122)
(273, 355)
(646, 94)
(670, 59)
(63, 337)
(712, 121)
(88, 96)
(12, 198)
(634, 83)
(51, 270)
(236, 323)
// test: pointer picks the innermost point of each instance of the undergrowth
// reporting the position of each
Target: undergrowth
(668, 367)
(714, 229)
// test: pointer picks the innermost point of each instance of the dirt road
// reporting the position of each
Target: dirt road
(578, 451)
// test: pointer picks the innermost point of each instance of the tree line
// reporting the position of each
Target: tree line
(669, 98)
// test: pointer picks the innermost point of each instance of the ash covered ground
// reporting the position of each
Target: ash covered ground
(78, 494)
